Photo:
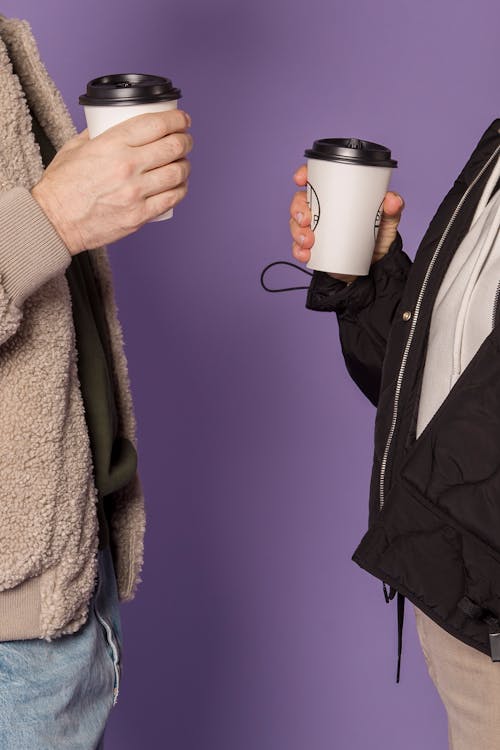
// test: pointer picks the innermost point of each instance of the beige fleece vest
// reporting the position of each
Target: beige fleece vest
(48, 524)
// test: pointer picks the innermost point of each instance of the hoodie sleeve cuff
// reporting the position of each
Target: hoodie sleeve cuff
(31, 250)
(327, 294)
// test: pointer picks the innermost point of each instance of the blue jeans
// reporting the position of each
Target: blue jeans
(58, 695)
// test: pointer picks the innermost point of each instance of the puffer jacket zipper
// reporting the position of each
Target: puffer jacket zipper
(495, 305)
(418, 305)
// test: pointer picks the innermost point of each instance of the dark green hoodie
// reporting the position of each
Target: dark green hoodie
(114, 457)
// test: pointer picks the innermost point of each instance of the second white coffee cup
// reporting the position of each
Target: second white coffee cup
(347, 182)
(112, 99)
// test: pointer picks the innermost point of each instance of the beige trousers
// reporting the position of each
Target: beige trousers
(468, 683)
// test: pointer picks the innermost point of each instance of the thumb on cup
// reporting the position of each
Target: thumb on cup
(393, 207)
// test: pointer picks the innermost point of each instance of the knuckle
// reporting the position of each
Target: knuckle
(175, 143)
(171, 145)
(124, 170)
(181, 191)
(136, 217)
(186, 120)
(174, 197)
(157, 126)
(170, 116)
(179, 144)
(130, 195)
(149, 125)
(169, 201)
(299, 200)
(174, 174)
(180, 173)
(390, 221)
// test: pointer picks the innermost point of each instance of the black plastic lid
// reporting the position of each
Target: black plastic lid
(351, 151)
(129, 88)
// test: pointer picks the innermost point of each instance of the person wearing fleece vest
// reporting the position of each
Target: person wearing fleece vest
(422, 341)
(72, 512)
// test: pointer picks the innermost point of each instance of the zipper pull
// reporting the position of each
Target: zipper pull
(494, 634)
(475, 612)
(388, 595)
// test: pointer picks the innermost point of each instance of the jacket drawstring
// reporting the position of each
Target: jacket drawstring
(389, 596)
(401, 617)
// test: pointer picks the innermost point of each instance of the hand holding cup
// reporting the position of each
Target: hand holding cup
(303, 236)
(97, 190)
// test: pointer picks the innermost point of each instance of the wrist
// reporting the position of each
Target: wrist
(347, 278)
(55, 214)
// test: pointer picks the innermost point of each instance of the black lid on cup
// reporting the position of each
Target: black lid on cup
(128, 88)
(351, 151)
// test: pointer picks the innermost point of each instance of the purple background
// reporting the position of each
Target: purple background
(253, 630)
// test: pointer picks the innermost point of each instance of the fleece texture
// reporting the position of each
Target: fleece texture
(48, 521)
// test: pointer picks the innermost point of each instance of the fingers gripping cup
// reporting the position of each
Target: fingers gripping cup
(347, 182)
(112, 99)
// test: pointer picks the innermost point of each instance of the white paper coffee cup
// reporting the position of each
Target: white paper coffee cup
(347, 182)
(112, 99)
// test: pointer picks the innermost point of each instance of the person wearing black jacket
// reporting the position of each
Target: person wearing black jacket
(421, 339)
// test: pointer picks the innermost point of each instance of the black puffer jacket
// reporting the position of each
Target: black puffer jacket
(434, 522)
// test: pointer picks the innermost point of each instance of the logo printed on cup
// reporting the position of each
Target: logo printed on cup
(313, 203)
(378, 219)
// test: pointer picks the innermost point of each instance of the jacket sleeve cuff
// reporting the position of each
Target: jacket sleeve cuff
(327, 294)
(31, 250)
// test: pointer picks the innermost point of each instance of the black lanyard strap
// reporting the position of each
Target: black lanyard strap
(282, 263)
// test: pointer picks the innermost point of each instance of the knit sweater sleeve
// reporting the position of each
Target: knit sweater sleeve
(31, 253)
